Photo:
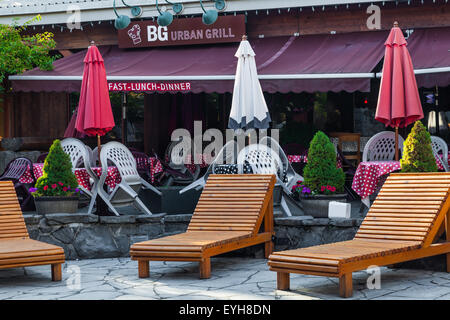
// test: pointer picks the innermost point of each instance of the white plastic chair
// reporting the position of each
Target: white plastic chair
(80, 156)
(265, 160)
(227, 154)
(440, 146)
(381, 147)
(126, 192)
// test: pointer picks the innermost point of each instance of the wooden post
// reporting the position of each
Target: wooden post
(268, 227)
(283, 281)
(144, 268)
(396, 143)
(345, 285)
(56, 272)
(99, 147)
(205, 268)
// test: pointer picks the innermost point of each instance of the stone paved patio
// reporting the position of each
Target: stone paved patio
(232, 278)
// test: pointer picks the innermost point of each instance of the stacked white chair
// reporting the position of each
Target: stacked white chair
(126, 192)
(80, 156)
(440, 146)
(381, 147)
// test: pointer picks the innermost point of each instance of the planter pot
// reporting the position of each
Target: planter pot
(45, 205)
(317, 206)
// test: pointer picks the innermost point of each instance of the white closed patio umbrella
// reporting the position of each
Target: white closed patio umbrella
(248, 108)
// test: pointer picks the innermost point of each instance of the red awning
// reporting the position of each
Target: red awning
(306, 63)
(430, 54)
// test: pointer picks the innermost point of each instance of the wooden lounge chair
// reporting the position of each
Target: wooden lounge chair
(16, 248)
(228, 217)
(402, 224)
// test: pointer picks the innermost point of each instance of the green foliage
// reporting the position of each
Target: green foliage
(321, 172)
(21, 52)
(58, 178)
(417, 152)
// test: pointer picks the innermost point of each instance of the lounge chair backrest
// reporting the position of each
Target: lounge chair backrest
(409, 207)
(439, 146)
(381, 147)
(233, 203)
(12, 224)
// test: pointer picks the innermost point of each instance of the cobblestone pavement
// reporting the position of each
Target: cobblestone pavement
(232, 278)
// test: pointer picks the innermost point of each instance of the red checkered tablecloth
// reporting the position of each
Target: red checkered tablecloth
(155, 167)
(83, 178)
(296, 158)
(368, 176)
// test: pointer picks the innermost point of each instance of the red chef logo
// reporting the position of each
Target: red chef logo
(135, 34)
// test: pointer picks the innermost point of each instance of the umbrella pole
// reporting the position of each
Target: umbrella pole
(99, 147)
(396, 143)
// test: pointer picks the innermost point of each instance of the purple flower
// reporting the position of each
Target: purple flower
(31, 190)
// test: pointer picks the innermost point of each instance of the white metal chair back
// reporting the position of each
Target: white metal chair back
(381, 147)
(76, 150)
(261, 158)
(439, 146)
(121, 157)
(288, 176)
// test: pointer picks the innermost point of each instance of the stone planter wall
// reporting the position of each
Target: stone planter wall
(85, 236)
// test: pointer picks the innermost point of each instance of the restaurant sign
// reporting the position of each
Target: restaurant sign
(183, 31)
(149, 86)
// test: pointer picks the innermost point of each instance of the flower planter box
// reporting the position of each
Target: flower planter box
(46, 205)
(317, 206)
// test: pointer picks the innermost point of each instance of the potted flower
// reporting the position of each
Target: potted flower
(56, 191)
(324, 182)
(417, 152)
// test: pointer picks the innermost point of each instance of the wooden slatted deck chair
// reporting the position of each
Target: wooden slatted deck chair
(402, 224)
(228, 216)
(16, 248)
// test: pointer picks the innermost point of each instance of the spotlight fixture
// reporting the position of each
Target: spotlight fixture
(210, 16)
(123, 21)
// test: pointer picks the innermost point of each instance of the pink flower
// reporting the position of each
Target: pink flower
(60, 183)
(329, 188)
(54, 186)
(333, 189)
(45, 187)
(65, 188)
(322, 188)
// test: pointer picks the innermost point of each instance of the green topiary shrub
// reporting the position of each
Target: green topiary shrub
(58, 178)
(320, 173)
(417, 152)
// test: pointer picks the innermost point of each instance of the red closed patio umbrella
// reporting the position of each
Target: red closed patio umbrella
(95, 117)
(398, 100)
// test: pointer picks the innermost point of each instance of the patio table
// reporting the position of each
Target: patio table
(112, 178)
(370, 175)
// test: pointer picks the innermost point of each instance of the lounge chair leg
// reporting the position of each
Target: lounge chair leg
(205, 268)
(345, 285)
(283, 281)
(268, 249)
(144, 268)
(56, 272)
